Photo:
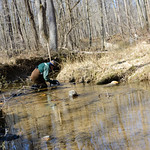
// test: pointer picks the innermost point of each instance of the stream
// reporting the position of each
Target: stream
(100, 118)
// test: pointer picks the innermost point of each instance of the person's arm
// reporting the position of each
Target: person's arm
(46, 77)
(45, 73)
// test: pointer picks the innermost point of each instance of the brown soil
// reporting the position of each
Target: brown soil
(20, 70)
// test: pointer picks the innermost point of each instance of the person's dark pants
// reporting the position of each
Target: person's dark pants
(38, 79)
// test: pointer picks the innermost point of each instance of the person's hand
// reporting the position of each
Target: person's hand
(54, 82)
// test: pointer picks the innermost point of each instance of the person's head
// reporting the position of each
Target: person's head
(52, 64)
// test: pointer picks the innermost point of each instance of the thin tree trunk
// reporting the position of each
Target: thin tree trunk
(70, 18)
(4, 35)
(106, 19)
(18, 21)
(102, 25)
(127, 16)
(23, 29)
(119, 18)
(89, 23)
(31, 17)
(8, 22)
(146, 15)
(140, 15)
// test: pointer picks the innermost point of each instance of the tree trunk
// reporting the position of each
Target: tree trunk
(41, 9)
(8, 22)
(89, 23)
(102, 24)
(140, 14)
(119, 18)
(52, 26)
(5, 46)
(18, 21)
(146, 15)
(31, 17)
(127, 17)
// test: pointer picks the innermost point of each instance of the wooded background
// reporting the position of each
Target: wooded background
(35, 24)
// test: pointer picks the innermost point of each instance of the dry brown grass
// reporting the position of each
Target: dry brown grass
(130, 64)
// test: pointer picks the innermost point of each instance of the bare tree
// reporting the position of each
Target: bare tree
(52, 26)
(140, 13)
(31, 17)
(117, 12)
(18, 22)
(127, 16)
(146, 14)
(4, 44)
(102, 24)
(8, 23)
(41, 10)
(72, 24)
(89, 23)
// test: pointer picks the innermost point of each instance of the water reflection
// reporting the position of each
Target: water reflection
(99, 118)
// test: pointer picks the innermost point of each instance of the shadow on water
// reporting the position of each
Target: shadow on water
(115, 118)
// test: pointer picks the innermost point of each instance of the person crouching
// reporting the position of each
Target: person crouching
(39, 76)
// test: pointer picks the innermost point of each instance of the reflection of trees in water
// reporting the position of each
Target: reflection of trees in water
(109, 122)
(2, 128)
(4, 132)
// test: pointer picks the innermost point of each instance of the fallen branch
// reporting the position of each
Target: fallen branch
(86, 52)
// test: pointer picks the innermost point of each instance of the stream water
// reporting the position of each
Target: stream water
(100, 118)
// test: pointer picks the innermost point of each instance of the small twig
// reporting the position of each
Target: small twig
(49, 53)
(4, 101)
(21, 79)
(7, 99)
(4, 98)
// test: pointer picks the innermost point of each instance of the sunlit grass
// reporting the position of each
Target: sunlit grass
(116, 64)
